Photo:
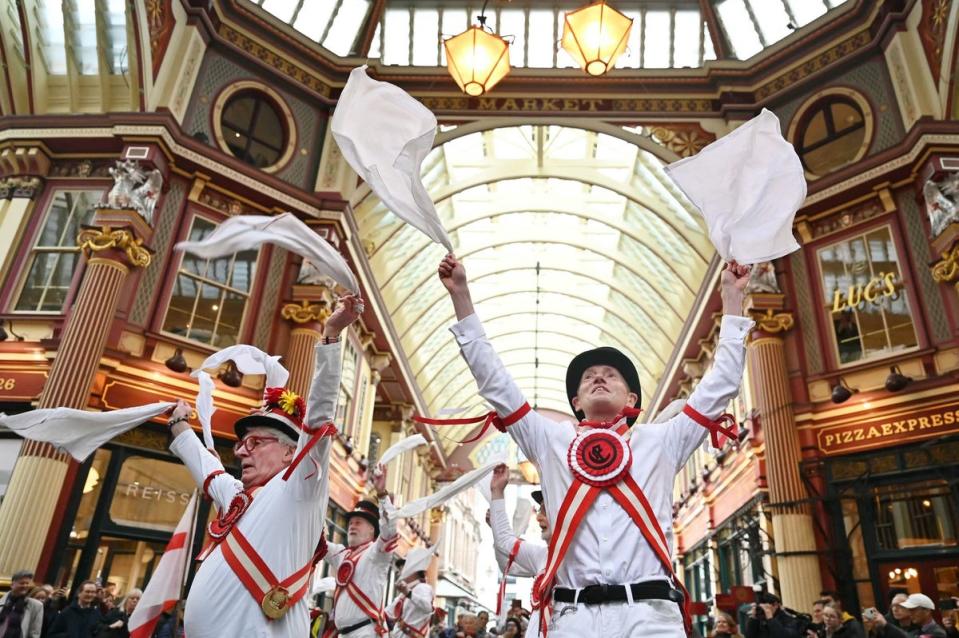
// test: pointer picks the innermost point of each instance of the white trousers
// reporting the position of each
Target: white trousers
(369, 631)
(645, 618)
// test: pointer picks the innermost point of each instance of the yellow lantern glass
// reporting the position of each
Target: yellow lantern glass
(477, 60)
(595, 36)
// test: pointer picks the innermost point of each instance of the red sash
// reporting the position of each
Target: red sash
(502, 583)
(572, 512)
(407, 629)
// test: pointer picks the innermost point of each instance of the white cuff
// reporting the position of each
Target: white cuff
(469, 329)
(735, 327)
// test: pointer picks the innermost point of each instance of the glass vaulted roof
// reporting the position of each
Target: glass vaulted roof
(571, 239)
(665, 34)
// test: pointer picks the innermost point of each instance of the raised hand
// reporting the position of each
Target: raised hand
(348, 310)
(733, 287)
(452, 274)
(379, 480)
(500, 480)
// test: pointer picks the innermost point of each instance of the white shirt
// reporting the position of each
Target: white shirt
(417, 609)
(283, 523)
(530, 559)
(372, 569)
(608, 547)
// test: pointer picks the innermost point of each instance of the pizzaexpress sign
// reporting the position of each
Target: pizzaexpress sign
(901, 427)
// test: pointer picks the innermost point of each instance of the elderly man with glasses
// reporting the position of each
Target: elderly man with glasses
(266, 538)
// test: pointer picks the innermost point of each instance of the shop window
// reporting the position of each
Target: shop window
(920, 515)
(210, 295)
(151, 494)
(55, 255)
(697, 567)
(739, 551)
(253, 128)
(831, 134)
(345, 417)
(9, 451)
(865, 297)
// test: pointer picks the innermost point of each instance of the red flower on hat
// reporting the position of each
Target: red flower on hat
(286, 400)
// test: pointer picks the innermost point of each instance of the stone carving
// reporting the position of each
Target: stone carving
(942, 203)
(763, 279)
(134, 189)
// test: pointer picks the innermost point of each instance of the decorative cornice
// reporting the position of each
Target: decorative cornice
(305, 312)
(828, 57)
(774, 322)
(946, 270)
(98, 239)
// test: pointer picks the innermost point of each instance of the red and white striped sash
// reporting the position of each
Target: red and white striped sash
(502, 583)
(345, 583)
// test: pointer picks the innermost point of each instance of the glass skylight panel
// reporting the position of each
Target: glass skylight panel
(312, 19)
(541, 47)
(513, 27)
(709, 51)
(805, 11)
(455, 21)
(396, 44)
(739, 27)
(376, 46)
(81, 28)
(656, 48)
(772, 18)
(116, 19)
(342, 34)
(426, 30)
(687, 32)
(630, 57)
(284, 9)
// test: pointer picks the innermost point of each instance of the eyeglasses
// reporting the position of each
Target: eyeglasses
(252, 442)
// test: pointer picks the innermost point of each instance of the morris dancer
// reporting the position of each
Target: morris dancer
(523, 559)
(415, 609)
(363, 567)
(266, 538)
(608, 571)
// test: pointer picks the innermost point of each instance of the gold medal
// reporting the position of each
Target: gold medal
(275, 603)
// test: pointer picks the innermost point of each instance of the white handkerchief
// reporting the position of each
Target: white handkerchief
(444, 494)
(407, 444)
(385, 134)
(248, 232)
(418, 559)
(249, 360)
(79, 432)
(521, 516)
(748, 186)
(205, 407)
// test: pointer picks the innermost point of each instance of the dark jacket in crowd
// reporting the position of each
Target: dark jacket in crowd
(931, 629)
(781, 625)
(888, 630)
(851, 628)
(76, 622)
(952, 632)
(111, 617)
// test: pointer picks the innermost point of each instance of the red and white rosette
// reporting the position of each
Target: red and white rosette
(222, 524)
(344, 573)
(599, 457)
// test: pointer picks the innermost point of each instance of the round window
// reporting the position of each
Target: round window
(832, 133)
(253, 128)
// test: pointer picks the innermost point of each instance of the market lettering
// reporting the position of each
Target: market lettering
(834, 439)
(872, 291)
(539, 104)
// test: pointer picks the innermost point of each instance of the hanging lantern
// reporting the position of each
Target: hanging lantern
(477, 59)
(595, 36)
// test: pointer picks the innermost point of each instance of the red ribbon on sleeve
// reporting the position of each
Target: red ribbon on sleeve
(488, 419)
(721, 428)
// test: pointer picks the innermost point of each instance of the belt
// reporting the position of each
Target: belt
(346, 630)
(600, 594)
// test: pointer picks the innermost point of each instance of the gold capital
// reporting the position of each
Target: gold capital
(773, 322)
(305, 312)
(947, 268)
(97, 239)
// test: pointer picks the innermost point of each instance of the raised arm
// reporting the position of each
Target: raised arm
(495, 384)
(386, 542)
(204, 466)
(525, 563)
(723, 380)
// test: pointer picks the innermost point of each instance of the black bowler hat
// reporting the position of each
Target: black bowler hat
(537, 496)
(368, 511)
(604, 356)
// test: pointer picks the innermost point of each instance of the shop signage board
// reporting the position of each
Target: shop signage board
(903, 426)
(21, 385)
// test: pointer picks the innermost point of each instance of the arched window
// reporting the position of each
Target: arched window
(253, 128)
(831, 134)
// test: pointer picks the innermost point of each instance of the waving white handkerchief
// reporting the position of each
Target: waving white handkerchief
(204, 406)
(79, 432)
(248, 232)
(385, 134)
(521, 516)
(748, 186)
(407, 444)
(464, 482)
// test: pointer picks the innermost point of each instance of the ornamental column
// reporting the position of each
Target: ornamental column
(307, 314)
(28, 514)
(796, 554)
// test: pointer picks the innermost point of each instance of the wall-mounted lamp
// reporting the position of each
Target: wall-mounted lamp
(896, 380)
(841, 392)
(231, 376)
(177, 363)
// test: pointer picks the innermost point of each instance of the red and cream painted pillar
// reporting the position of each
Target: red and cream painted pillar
(113, 247)
(800, 580)
(312, 305)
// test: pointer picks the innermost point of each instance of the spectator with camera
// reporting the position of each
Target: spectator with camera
(768, 619)
(920, 609)
(877, 625)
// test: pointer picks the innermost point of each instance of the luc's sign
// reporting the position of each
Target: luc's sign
(873, 291)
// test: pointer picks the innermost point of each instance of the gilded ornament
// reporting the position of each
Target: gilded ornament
(774, 322)
(305, 312)
(97, 239)
(685, 142)
(947, 269)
